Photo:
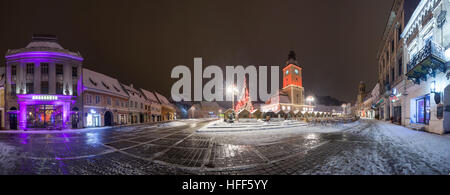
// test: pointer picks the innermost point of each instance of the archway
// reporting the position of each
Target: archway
(108, 118)
(447, 109)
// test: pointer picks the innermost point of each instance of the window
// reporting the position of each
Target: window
(30, 88)
(142, 106)
(59, 69)
(59, 88)
(30, 68)
(97, 99)
(393, 46)
(44, 69)
(108, 100)
(74, 72)
(392, 74)
(296, 71)
(14, 70)
(44, 87)
(400, 67)
(131, 104)
(88, 99)
(135, 104)
(75, 89)
(13, 89)
(287, 72)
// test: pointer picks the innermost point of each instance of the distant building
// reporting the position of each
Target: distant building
(291, 97)
(154, 107)
(136, 107)
(205, 110)
(168, 111)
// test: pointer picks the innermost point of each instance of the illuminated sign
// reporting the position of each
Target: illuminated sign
(45, 97)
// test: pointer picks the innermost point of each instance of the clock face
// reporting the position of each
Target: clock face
(296, 71)
(287, 71)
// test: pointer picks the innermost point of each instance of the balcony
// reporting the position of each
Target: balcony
(428, 61)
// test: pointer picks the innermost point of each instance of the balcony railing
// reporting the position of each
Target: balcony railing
(428, 61)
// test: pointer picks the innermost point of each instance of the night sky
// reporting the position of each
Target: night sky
(139, 42)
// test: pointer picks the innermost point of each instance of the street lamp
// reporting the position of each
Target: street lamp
(310, 99)
(437, 93)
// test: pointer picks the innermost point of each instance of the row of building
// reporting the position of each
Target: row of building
(413, 79)
(44, 86)
(288, 102)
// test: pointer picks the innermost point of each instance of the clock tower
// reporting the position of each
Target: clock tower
(292, 80)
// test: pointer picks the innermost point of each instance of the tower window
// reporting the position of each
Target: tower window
(296, 71)
(287, 71)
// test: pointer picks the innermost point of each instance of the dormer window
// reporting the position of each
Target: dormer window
(92, 81)
(106, 86)
(116, 88)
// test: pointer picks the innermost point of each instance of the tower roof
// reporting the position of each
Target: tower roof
(292, 58)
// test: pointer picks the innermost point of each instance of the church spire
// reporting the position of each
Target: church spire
(292, 58)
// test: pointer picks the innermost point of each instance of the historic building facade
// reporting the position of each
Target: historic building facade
(43, 86)
(390, 60)
(105, 101)
(426, 90)
(153, 108)
(136, 105)
(168, 111)
(291, 98)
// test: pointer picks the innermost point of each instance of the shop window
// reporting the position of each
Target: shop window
(423, 110)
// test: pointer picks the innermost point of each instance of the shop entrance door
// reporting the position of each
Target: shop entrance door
(13, 121)
(423, 110)
(397, 114)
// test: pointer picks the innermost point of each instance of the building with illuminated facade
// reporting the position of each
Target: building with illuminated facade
(426, 90)
(168, 111)
(136, 104)
(291, 98)
(105, 101)
(153, 106)
(43, 86)
(391, 64)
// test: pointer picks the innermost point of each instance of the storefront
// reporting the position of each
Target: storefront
(420, 110)
(44, 111)
(93, 118)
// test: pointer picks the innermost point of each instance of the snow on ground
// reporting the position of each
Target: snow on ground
(269, 135)
(171, 124)
(391, 149)
(6, 162)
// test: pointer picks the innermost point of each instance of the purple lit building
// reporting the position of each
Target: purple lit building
(43, 86)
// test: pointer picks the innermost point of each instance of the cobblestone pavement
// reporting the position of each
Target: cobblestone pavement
(143, 150)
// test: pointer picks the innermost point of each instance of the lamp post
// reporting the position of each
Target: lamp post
(233, 90)
(310, 99)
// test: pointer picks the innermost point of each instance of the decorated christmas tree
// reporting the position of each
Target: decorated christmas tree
(245, 102)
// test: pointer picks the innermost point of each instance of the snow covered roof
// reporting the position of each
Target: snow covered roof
(163, 100)
(99, 82)
(43, 43)
(150, 96)
(134, 93)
